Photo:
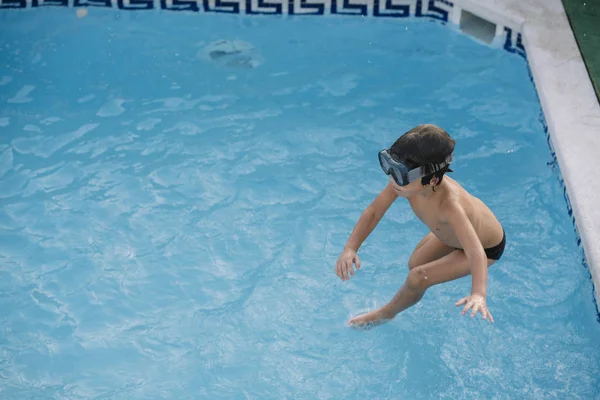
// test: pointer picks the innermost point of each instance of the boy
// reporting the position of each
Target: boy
(465, 237)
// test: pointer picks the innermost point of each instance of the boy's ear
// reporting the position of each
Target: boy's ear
(434, 181)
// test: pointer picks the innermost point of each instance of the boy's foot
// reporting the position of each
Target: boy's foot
(368, 320)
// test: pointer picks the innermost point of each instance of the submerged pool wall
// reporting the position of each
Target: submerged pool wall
(536, 30)
(439, 10)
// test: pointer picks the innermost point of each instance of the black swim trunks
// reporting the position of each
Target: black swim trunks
(494, 253)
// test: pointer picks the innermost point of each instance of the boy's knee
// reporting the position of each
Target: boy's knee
(417, 279)
(413, 262)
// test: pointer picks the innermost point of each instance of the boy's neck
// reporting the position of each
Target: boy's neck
(429, 192)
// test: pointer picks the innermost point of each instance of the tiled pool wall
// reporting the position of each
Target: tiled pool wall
(554, 164)
(442, 11)
(506, 36)
(436, 10)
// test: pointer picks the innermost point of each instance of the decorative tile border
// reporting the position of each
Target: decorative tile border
(438, 10)
(514, 43)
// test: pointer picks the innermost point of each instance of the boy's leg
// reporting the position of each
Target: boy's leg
(448, 268)
(429, 249)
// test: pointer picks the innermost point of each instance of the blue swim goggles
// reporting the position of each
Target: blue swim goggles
(400, 172)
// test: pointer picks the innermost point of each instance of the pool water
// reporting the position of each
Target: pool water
(170, 222)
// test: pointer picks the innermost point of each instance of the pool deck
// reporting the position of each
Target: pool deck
(568, 100)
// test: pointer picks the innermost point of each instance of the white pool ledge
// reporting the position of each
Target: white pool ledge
(568, 101)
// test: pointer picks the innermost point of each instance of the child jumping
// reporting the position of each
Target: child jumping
(465, 237)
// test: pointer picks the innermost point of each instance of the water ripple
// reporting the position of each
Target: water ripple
(22, 95)
(45, 146)
(177, 239)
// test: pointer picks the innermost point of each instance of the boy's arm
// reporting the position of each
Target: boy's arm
(467, 236)
(371, 217)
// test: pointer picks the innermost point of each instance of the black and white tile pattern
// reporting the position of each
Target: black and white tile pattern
(432, 9)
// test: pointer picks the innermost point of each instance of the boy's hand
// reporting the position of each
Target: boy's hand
(476, 302)
(343, 267)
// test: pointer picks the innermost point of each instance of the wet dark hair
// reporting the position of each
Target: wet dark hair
(423, 145)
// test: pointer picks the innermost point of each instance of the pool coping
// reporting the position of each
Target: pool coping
(569, 104)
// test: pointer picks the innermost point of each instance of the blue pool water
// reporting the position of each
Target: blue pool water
(170, 223)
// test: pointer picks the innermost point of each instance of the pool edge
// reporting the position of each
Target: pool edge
(572, 113)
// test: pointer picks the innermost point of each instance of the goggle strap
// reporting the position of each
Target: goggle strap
(438, 167)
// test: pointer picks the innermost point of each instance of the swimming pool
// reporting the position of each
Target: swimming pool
(170, 222)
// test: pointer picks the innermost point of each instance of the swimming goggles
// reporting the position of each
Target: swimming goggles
(400, 172)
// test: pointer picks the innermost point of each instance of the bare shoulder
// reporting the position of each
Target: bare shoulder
(451, 204)
(458, 204)
(453, 195)
(456, 200)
